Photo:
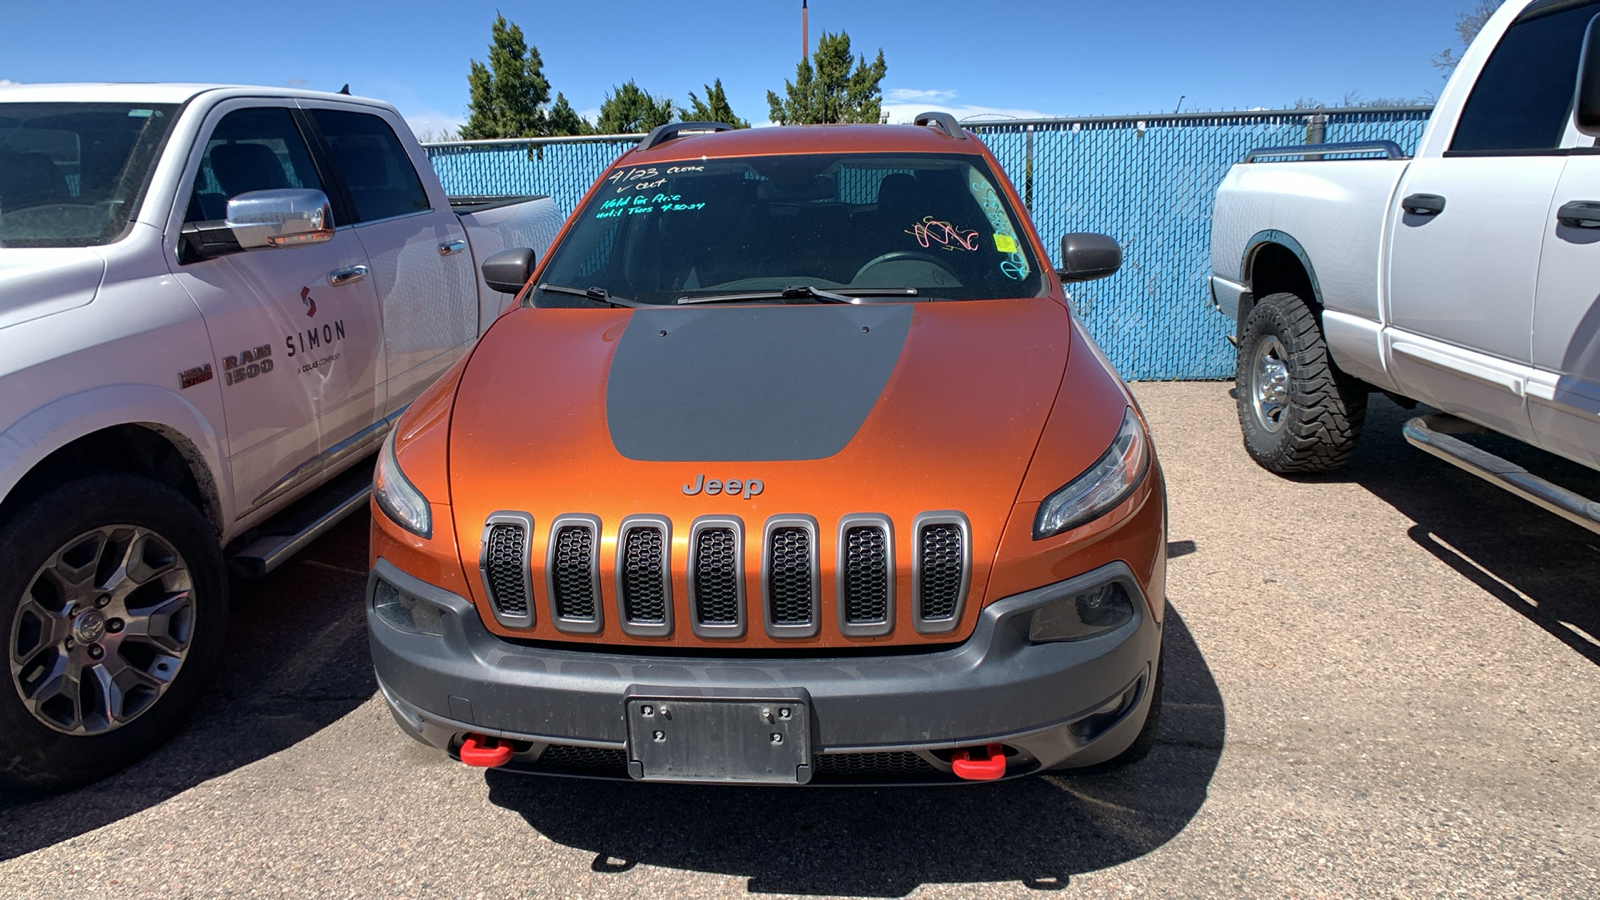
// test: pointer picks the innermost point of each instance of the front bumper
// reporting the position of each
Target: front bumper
(894, 717)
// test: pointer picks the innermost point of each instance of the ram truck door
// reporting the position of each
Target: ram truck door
(294, 331)
(1564, 389)
(1468, 226)
(421, 266)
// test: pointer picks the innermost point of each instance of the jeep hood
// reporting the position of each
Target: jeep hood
(897, 409)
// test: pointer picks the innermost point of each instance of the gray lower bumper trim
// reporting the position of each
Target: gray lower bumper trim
(995, 684)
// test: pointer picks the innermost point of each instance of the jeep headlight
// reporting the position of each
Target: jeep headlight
(397, 497)
(1108, 482)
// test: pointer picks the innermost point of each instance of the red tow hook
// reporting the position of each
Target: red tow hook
(484, 752)
(986, 763)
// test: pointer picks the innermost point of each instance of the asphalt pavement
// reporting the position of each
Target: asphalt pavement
(1384, 682)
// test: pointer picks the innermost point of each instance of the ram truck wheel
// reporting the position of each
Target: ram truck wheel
(1298, 412)
(114, 600)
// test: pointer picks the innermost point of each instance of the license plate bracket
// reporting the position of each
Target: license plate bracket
(719, 739)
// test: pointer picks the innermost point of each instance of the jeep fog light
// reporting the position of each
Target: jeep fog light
(397, 497)
(1107, 483)
(1088, 614)
(406, 612)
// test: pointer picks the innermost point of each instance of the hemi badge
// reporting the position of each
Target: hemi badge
(188, 378)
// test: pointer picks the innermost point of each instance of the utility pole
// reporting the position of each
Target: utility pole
(805, 31)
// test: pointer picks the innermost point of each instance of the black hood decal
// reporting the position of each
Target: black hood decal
(750, 383)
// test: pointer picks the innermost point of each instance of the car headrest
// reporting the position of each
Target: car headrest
(899, 192)
(247, 167)
(30, 179)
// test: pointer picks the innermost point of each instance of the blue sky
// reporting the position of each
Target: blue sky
(1067, 57)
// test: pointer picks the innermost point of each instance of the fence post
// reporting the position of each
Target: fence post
(1027, 172)
(1316, 133)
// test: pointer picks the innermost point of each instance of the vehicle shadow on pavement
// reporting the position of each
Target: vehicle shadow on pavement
(296, 661)
(886, 842)
(1533, 561)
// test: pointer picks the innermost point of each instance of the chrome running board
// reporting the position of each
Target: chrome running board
(1433, 434)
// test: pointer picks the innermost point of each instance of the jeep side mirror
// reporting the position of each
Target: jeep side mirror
(1086, 256)
(284, 217)
(510, 269)
(1586, 106)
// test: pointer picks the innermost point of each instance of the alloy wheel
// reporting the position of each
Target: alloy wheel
(102, 630)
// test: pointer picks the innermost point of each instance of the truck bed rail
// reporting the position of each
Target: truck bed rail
(1389, 149)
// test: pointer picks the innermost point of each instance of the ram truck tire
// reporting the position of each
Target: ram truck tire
(1298, 412)
(114, 602)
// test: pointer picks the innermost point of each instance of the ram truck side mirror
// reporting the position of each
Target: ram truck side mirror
(510, 269)
(1086, 256)
(1586, 106)
(287, 217)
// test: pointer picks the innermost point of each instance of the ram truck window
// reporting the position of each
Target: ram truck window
(791, 466)
(71, 174)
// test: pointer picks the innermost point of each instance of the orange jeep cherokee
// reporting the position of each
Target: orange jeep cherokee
(790, 465)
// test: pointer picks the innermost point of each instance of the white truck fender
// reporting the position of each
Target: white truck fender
(47, 429)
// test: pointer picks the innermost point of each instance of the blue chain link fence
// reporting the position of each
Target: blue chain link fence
(1149, 181)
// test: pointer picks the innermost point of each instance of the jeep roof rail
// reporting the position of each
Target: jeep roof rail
(944, 122)
(663, 133)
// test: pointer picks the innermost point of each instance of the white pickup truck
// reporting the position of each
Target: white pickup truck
(214, 301)
(1467, 278)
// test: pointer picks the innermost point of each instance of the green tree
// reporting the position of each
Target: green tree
(563, 119)
(629, 109)
(1468, 24)
(829, 91)
(507, 95)
(715, 108)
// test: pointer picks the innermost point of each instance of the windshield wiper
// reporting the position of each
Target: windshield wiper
(803, 292)
(597, 294)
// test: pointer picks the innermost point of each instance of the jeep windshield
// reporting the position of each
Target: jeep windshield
(72, 174)
(875, 227)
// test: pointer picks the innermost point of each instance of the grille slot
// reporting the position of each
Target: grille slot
(503, 563)
(573, 572)
(940, 572)
(866, 575)
(716, 577)
(789, 577)
(644, 587)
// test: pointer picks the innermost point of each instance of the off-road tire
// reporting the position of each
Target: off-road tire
(1322, 409)
(37, 758)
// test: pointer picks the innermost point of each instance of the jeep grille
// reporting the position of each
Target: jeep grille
(640, 577)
